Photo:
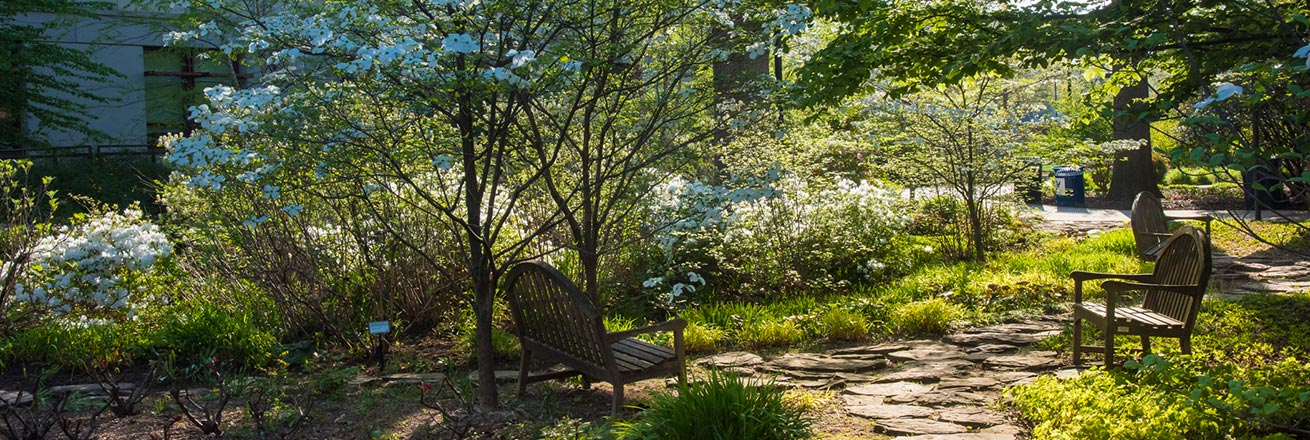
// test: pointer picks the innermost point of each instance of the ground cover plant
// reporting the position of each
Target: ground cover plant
(1245, 379)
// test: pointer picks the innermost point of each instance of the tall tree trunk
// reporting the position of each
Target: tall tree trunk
(479, 264)
(1132, 172)
(733, 73)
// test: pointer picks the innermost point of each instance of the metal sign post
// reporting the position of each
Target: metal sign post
(380, 329)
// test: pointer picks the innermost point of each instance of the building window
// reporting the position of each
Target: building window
(176, 80)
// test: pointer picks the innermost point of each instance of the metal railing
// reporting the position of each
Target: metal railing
(90, 151)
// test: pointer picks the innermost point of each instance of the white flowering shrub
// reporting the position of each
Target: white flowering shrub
(95, 265)
(781, 235)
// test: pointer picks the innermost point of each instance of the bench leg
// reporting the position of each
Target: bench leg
(1146, 345)
(1077, 341)
(1185, 343)
(525, 360)
(1109, 347)
(618, 398)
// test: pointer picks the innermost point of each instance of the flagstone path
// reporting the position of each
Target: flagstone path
(923, 389)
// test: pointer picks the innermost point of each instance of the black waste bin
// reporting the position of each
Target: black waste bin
(1069, 187)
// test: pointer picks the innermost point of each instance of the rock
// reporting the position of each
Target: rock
(502, 376)
(941, 398)
(993, 348)
(998, 337)
(1239, 266)
(422, 377)
(1022, 362)
(89, 389)
(820, 362)
(927, 354)
(881, 412)
(1068, 373)
(860, 400)
(1024, 327)
(928, 372)
(360, 381)
(962, 436)
(917, 426)
(1291, 272)
(879, 349)
(980, 382)
(15, 398)
(976, 417)
(731, 359)
(890, 389)
(1012, 376)
(1002, 429)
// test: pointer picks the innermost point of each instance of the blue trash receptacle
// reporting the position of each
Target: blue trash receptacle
(1069, 190)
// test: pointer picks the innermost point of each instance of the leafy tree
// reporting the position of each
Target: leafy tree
(635, 104)
(966, 137)
(922, 44)
(41, 79)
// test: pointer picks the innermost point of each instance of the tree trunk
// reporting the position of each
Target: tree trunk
(479, 264)
(733, 73)
(976, 234)
(1133, 172)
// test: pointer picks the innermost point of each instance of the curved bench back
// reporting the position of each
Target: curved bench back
(551, 313)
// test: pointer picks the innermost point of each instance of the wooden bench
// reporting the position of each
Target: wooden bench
(1151, 225)
(556, 321)
(1171, 301)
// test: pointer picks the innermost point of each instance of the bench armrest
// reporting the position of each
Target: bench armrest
(1081, 276)
(1198, 217)
(1114, 286)
(673, 325)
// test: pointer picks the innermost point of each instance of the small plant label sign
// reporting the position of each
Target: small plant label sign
(379, 327)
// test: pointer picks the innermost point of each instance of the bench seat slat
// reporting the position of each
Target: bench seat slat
(1137, 315)
(643, 350)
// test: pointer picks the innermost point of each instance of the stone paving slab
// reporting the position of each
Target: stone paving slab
(882, 412)
(910, 426)
(890, 389)
(976, 417)
(820, 362)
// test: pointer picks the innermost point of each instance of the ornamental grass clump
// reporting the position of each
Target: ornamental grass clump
(930, 317)
(839, 324)
(722, 407)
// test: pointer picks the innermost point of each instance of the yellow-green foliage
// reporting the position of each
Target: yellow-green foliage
(839, 324)
(701, 338)
(1097, 405)
(933, 316)
(770, 333)
(1238, 243)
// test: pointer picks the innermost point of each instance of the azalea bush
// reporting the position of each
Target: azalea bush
(784, 235)
(99, 266)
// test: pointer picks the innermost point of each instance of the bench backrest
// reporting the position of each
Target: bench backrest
(551, 313)
(1183, 260)
(1147, 218)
